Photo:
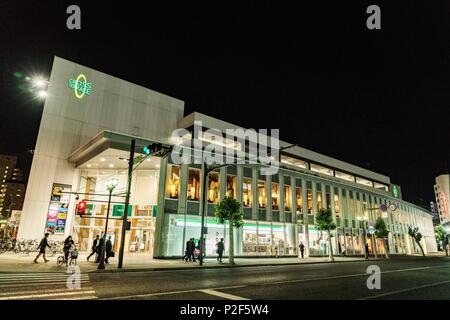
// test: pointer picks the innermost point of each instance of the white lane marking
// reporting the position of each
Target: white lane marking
(405, 290)
(35, 283)
(40, 291)
(339, 277)
(223, 295)
(38, 278)
(167, 293)
(44, 295)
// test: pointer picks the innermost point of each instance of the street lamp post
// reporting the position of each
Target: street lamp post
(111, 184)
(363, 220)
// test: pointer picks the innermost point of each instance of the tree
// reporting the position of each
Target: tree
(382, 232)
(324, 222)
(441, 237)
(228, 209)
(417, 236)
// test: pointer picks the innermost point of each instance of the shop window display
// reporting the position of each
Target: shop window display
(247, 197)
(193, 192)
(262, 198)
(213, 187)
(299, 199)
(309, 201)
(275, 196)
(173, 182)
(319, 201)
(232, 186)
(287, 198)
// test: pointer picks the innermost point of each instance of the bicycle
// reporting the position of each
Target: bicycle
(72, 259)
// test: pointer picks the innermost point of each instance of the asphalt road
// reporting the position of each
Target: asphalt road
(400, 278)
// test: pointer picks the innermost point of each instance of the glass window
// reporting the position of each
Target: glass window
(309, 200)
(232, 186)
(321, 169)
(299, 199)
(193, 192)
(287, 198)
(337, 208)
(213, 187)
(344, 176)
(319, 201)
(275, 195)
(328, 200)
(293, 162)
(247, 197)
(173, 181)
(262, 199)
(381, 186)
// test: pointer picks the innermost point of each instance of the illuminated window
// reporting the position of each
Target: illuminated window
(173, 181)
(193, 192)
(213, 187)
(287, 198)
(344, 176)
(232, 186)
(275, 195)
(381, 186)
(262, 198)
(299, 199)
(337, 208)
(328, 200)
(293, 162)
(319, 201)
(309, 201)
(247, 198)
(320, 169)
(364, 182)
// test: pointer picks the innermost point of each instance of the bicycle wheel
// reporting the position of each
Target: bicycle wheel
(72, 262)
(60, 261)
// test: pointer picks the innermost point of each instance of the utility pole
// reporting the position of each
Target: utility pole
(204, 209)
(127, 201)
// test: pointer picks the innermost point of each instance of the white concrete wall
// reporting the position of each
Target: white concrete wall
(68, 122)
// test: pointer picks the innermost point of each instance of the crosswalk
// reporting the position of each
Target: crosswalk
(45, 286)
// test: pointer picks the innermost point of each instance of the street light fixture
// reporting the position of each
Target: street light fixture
(110, 185)
(42, 94)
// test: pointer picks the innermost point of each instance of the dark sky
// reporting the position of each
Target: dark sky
(375, 98)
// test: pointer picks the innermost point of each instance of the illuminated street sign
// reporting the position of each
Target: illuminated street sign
(80, 86)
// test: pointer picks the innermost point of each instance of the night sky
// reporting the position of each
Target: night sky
(374, 98)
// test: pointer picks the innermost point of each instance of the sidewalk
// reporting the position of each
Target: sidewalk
(21, 263)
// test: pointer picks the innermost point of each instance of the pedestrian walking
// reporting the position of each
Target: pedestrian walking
(366, 250)
(68, 243)
(192, 250)
(108, 249)
(186, 250)
(220, 249)
(99, 248)
(94, 247)
(302, 249)
(42, 246)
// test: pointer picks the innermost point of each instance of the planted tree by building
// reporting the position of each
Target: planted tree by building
(382, 232)
(441, 237)
(324, 222)
(228, 210)
(417, 236)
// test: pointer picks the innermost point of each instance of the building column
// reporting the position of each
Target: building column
(255, 206)
(305, 217)
(159, 240)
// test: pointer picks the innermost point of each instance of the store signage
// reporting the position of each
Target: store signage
(395, 191)
(58, 208)
(80, 86)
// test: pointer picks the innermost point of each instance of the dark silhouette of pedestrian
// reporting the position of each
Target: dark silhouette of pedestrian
(42, 246)
(94, 247)
(68, 243)
(302, 249)
(366, 251)
(108, 249)
(99, 249)
(186, 250)
(192, 250)
(220, 249)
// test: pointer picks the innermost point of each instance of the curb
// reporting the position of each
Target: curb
(225, 266)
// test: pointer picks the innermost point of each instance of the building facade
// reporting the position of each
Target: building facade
(88, 122)
(442, 195)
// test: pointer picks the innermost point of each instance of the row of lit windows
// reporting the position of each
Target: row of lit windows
(356, 205)
(330, 172)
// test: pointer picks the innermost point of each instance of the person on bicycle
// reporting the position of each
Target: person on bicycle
(68, 243)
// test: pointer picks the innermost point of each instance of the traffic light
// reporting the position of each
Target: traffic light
(81, 207)
(152, 149)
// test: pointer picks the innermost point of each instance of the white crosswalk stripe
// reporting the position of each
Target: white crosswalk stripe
(59, 286)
